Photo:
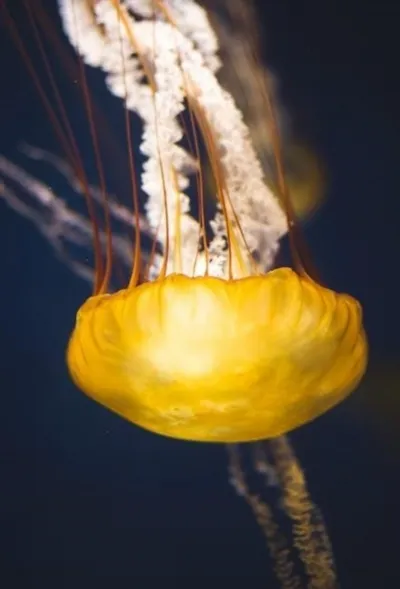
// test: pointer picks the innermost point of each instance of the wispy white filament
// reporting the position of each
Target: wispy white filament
(181, 55)
(158, 56)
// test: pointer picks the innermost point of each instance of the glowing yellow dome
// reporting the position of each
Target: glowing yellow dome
(219, 360)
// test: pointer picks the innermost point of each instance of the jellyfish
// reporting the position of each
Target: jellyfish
(211, 347)
(207, 341)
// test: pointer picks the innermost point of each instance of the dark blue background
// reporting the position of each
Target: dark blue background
(87, 500)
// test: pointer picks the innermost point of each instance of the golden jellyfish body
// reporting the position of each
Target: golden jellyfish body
(219, 360)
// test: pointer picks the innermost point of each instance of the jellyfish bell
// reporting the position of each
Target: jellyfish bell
(209, 359)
